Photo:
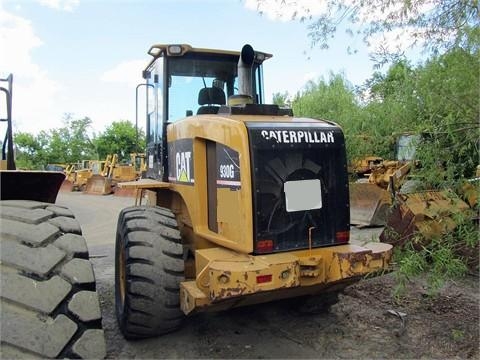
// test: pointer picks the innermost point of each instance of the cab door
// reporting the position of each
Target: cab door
(154, 119)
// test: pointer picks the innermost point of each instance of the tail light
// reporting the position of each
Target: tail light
(264, 246)
(261, 279)
(342, 236)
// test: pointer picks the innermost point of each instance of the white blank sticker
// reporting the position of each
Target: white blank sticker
(303, 195)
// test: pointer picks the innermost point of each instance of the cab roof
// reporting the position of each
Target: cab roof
(174, 50)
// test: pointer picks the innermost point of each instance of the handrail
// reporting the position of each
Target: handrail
(7, 147)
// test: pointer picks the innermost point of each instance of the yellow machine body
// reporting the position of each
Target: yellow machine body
(224, 269)
(222, 174)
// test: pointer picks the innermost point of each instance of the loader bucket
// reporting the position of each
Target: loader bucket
(30, 185)
(98, 185)
(67, 186)
(369, 204)
(429, 214)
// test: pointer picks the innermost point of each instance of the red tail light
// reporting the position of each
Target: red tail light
(264, 278)
(264, 246)
(342, 236)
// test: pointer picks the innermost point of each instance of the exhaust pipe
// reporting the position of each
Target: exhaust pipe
(245, 72)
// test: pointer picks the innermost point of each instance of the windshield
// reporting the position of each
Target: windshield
(184, 94)
(407, 146)
(215, 73)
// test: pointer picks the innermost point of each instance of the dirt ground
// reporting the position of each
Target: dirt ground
(366, 323)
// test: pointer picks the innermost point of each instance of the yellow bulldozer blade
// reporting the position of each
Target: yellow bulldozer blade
(429, 214)
(98, 185)
(369, 204)
(67, 186)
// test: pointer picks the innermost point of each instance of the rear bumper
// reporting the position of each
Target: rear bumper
(226, 279)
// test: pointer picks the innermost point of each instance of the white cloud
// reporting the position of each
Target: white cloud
(63, 5)
(34, 91)
(17, 39)
(127, 73)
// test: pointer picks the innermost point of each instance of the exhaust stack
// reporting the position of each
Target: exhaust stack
(245, 81)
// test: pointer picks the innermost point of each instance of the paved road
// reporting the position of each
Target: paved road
(97, 214)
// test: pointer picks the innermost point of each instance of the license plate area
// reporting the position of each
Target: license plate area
(303, 195)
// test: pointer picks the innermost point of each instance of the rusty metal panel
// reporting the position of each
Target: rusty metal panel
(223, 274)
(231, 279)
(369, 204)
(428, 214)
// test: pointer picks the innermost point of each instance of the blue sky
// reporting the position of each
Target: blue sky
(85, 56)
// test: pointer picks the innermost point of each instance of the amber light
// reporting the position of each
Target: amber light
(342, 236)
(264, 278)
(264, 246)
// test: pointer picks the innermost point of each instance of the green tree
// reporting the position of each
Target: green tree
(281, 99)
(71, 142)
(449, 111)
(390, 107)
(335, 99)
(438, 25)
(332, 99)
(67, 144)
(28, 151)
(120, 138)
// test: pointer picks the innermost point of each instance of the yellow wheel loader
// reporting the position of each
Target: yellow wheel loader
(245, 203)
(49, 306)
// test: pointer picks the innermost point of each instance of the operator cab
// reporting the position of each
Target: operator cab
(183, 81)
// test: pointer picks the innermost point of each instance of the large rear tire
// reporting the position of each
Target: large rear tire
(49, 304)
(149, 267)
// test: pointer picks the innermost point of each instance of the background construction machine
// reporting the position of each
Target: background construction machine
(113, 172)
(246, 203)
(49, 307)
(371, 196)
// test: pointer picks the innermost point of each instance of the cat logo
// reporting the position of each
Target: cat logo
(183, 166)
(180, 162)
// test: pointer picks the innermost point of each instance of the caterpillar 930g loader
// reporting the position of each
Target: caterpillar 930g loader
(49, 306)
(245, 202)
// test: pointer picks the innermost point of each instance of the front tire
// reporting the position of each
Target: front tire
(49, 303)
(149, 267)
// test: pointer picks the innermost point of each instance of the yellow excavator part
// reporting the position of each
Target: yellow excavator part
(429, 214)
(365, 165)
